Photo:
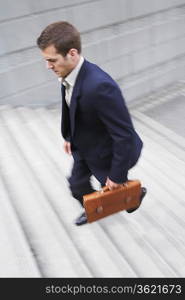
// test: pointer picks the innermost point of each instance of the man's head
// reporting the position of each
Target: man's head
(60, 44)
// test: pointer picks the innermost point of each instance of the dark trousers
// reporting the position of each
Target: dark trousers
(79, 181)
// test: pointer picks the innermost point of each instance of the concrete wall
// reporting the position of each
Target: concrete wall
(141, 43)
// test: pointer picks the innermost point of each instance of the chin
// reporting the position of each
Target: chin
(61, 75)
(58, 74)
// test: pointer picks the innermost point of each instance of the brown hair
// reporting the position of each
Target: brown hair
(62, 35)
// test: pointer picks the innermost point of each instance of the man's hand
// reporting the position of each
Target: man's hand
(67, 147)
(111, 184)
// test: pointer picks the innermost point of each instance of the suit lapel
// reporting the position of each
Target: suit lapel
(75, 96)
(73, 105)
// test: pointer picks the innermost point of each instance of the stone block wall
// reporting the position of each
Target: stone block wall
(141, 43)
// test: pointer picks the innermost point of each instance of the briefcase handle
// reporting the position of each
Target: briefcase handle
(106, 189)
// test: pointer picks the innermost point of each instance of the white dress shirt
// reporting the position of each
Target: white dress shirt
(69, 81)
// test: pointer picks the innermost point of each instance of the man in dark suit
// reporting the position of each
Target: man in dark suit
(96, 125)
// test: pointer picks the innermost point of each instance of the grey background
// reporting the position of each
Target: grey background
(139, 42)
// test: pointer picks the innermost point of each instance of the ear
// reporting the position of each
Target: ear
(73, 52)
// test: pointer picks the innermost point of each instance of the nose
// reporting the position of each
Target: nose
(49, 65)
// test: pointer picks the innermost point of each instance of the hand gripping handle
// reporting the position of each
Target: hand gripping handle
(106, 189)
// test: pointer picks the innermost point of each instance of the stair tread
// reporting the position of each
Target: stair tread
(38, 161)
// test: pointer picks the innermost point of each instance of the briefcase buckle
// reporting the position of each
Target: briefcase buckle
(128, 199)
(99, 209)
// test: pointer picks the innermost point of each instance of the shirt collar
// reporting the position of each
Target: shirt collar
(71, 78)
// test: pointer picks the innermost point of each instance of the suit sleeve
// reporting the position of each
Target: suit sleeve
(113, 113)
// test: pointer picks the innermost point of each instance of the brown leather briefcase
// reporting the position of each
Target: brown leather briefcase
(106, 202)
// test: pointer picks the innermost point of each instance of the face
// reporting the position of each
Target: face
(61, 65)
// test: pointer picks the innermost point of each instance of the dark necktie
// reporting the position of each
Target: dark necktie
(65, 114)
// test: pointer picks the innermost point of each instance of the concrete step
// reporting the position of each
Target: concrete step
(56, 120)
(145, 157)
(166, 137)
(16, 258)
(124, 268)
(47, 178)
(159, 97)
(147, 243)
(159, 151)
(45, 233)
(162, 221)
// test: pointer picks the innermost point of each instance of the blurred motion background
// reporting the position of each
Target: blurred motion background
(141, 43)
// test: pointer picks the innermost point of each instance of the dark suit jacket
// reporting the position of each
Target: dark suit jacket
(98, 123)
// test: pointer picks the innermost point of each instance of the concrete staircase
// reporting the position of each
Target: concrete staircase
(37, 235)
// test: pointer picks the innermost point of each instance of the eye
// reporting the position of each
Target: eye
(51, 60)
